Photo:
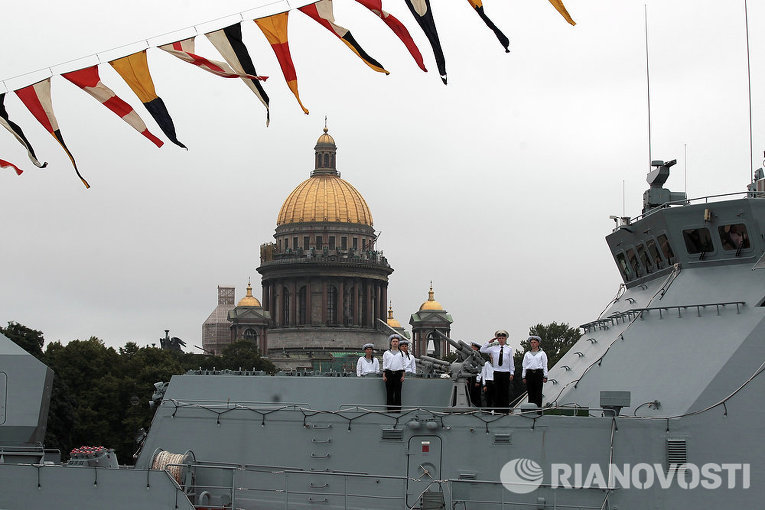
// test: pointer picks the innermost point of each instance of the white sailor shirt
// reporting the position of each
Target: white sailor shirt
(409, 364)
(363, 366)
(393, 360)
(507, 357)
(532, 361)
(487, 374)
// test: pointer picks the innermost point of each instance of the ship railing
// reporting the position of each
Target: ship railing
(631, 314)
(263, 409)
(460, 500)
(34, 454)
(703, 200)
(461, 493)
(202, 494)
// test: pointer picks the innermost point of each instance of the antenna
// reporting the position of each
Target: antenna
(749, 83)
(685, 168)
(648, 84)
(624, 201)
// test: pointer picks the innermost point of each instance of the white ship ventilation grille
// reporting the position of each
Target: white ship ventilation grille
(677, 453)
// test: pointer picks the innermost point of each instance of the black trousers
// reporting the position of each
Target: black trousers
(474, 392)
(534, 386)
(489, 394)
(393, 390)
(501, 389)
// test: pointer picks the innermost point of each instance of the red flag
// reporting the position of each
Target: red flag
(5, 164)
(398, 28)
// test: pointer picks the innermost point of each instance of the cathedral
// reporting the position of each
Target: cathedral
(324, 283)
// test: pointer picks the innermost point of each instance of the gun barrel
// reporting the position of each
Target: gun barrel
(435, 361)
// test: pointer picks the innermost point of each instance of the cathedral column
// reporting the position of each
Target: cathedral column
(384, 301)
(293, 303)
(279, 309)
(323, 301)
(341, 301)
(378, 306)
(368, 310)
(356, 307)
(308, 308)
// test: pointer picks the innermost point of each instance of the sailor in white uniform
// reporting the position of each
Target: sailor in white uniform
(393, 373)
(502, 362)
(486, 380)
(410, 364)
(367, 364)
(534, 370)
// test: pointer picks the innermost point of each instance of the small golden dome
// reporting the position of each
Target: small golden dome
(326, 138)
(431, 304)
(249, 299)
(325, 197)
(391, 321)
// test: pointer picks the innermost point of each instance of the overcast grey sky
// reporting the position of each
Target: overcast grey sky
(497, 187)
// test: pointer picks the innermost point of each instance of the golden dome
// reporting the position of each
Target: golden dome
(325, 138)
(325, 197)
(431, 304)
(249, 299)
(391, 321)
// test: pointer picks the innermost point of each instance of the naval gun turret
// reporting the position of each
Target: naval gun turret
(468, 364)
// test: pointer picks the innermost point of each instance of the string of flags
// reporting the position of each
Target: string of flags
(134, 69)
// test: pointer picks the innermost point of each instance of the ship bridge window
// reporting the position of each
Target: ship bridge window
(627, 274)
(644, 259)
(666, 248)
(654, 251)
(698, 240)
(632, 258)
(734, 237)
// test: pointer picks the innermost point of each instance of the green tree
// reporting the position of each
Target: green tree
(100, 395)
(28, 339)
(245, 355)
(557, 339)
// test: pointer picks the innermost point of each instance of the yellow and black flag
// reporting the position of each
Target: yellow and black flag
(558, 4)
(322, 13)
(424, 16)
(503, 40)
(134, 69)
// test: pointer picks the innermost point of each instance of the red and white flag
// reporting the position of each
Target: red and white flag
(89, 81)
(184, 50)
(37, 99)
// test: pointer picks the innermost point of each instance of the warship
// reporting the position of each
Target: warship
(658, 405)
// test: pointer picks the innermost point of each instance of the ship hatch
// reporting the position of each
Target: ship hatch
(677, 453)
(423, 469)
